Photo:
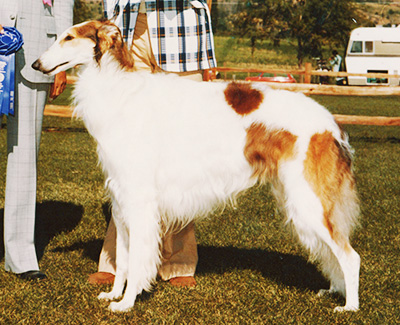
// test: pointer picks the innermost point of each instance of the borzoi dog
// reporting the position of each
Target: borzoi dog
(173, 150)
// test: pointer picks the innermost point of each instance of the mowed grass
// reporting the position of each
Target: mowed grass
(250, 269)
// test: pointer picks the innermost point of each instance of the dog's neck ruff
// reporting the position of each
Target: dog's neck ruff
(117, 57)
(99, 89)
(109, 63)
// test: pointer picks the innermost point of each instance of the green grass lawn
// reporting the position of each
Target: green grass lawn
(236, 52)
(250, 270)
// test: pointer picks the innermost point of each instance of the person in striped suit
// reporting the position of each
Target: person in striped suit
(39, 22)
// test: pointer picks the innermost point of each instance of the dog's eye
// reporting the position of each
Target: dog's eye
(68, 38)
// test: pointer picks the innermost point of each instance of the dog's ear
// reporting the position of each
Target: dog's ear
(108, 37)
(109, 34)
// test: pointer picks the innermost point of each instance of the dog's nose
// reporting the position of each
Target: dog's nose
(37, 64)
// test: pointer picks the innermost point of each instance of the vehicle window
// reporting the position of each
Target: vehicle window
(356, 47)
(369, 47)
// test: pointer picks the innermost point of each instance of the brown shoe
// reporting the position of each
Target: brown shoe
(101, 278)
(183, 281)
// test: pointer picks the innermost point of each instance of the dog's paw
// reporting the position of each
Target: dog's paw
(120, 307)
(107, 296)
(323, 292)
(340, 309)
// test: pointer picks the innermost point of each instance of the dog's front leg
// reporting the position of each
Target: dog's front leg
(144, 252)
(121, 257)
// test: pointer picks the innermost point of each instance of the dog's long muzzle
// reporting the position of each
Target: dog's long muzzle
(37, 65)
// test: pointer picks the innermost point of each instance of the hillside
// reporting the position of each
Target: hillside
(380, 14)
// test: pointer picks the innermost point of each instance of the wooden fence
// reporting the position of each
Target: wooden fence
(306, 88)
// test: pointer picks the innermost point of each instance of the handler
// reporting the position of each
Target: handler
(39, 22)
(174, 37)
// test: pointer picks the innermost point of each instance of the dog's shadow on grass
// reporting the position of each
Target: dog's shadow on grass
(92, 248)
(52, 218)
(286, 269)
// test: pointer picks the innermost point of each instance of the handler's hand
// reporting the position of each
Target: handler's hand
(1, 29)
(60, 82)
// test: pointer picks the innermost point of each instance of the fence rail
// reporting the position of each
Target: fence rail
(66, 111)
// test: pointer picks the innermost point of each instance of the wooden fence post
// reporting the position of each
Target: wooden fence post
(307, 74)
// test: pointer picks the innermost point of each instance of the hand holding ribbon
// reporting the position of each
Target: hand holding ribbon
(10, 42)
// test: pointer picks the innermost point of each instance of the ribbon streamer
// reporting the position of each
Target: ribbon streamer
(10, 42)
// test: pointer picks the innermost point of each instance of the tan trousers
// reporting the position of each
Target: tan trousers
(179, 253)
(179, 249)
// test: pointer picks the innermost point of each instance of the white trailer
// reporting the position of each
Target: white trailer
(373, 50)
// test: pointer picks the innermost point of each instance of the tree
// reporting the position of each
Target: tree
(315, 22)
(311, 23)
(255, 20)
(84, 10)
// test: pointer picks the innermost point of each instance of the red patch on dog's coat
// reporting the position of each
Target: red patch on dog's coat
(242, 97)
(265, 149)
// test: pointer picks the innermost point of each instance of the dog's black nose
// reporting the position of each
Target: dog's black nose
(37, 64)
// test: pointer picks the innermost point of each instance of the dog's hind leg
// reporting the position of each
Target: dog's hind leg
(340, 263)
(144, 251)
(320, 200)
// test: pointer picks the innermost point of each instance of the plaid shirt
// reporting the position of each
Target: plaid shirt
(180, 31)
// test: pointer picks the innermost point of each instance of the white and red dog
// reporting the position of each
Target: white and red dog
(173, 150)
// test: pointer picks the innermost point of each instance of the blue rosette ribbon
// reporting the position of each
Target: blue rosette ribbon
(10, 42)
